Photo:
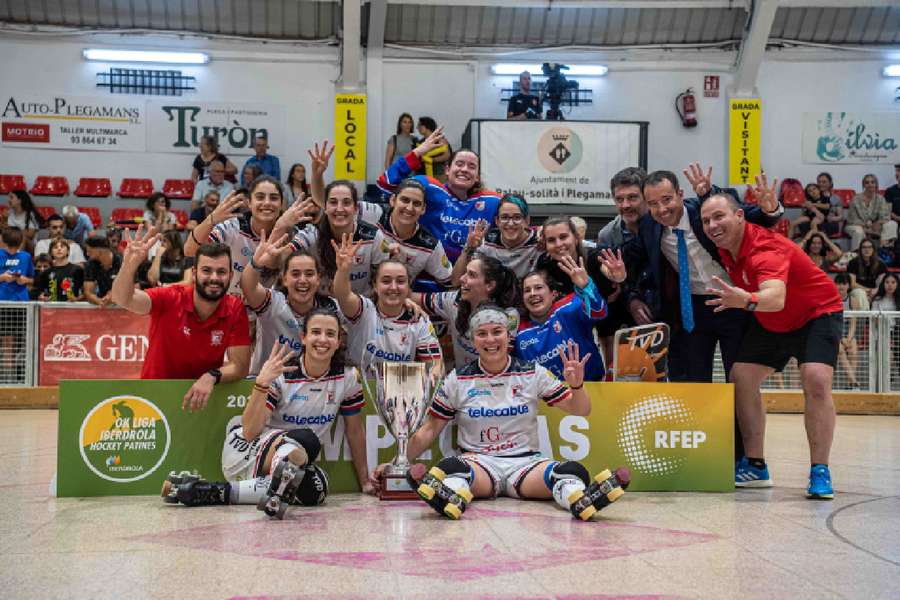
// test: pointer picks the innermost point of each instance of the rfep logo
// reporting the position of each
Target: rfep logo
(124, 438)
(559, 150)
(656, 434)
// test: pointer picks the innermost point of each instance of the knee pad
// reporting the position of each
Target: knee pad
(307, 440)
(569, 470)
(455, 467)
(313, 490)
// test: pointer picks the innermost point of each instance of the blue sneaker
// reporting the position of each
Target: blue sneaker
(748, 476)
(820, 484)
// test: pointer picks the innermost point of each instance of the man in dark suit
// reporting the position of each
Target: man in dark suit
(681, 261)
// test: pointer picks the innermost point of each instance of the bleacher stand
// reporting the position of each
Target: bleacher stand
(91, 187)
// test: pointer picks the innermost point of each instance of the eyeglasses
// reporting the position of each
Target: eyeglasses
(515, 219)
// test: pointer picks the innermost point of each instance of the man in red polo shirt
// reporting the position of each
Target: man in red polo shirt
(191, 326)
(798, 314)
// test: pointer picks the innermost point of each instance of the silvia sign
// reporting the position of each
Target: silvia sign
(840, 137)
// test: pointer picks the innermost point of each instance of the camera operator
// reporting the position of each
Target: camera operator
(524, 105)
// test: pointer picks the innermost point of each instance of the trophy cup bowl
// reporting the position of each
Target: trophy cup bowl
(401, 392)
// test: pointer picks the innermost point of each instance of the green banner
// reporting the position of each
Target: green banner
(123, 437)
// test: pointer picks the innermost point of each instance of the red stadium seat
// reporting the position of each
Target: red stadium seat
(178, 189)
(845, 195)
(783, 227)
(94, 214)
(8, 183)
(45, 211)
(128, 218)
(182, 217)
(50, 186)
(136, 188)
(89, 187)
(749, 196)
(792, 194)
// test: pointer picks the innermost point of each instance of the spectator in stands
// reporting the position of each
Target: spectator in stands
(402, 142)
(42, 262)
(210, 202)
(16, 266)
(102, 267)
(826, 185)
(581, 229)
(24, 215)
(57, 227)
(811, 218)
(869, 215)
(170, 265)
(848, 351)
(524, 105)
(249, 175)
(114, 237)
(191, 326)
(267, 163)
(158, 214)
(209, 153)
(435, 159)
(834, 217)
(866, 270)
(887, 298)
(892, 196)
(63, 281)
(78, 225)
(821, 250)
(215, 182)
(295, 186)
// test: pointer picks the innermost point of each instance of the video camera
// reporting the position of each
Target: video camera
(556, 87)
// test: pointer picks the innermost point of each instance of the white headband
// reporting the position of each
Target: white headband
(488, 315)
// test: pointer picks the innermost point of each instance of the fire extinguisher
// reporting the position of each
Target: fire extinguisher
(686, 107)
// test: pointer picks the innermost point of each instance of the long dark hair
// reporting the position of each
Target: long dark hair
(549, 280)
(324, 250)
(28, 207)
(338, 360)
(823, 252)
(505, 293)
(289, 182)
(882, 293)
(866, 267)
(412, 121)
(376, 269)
(176, 245)
(579, 250)
(303, 252)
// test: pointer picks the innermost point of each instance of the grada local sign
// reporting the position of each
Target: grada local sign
(350, 136)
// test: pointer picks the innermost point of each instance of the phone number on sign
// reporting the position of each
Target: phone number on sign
(90, 140)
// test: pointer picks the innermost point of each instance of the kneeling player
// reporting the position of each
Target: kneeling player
(494, 401)
(269, 451)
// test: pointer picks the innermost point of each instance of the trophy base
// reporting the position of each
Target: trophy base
(394, 486)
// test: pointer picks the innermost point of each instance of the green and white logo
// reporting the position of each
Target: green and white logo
(657, 433)
(559, 150)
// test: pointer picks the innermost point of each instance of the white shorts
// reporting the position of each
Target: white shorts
(506, 472)
(241, 458)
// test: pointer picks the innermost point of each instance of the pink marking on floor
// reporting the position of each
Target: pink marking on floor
(562, 597)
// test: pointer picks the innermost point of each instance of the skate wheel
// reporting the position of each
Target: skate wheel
(452, 511)
(279, 514)
(465, 495)
(426, 491)
(614, 494)
(437, 473)
(261, 503)
(587, 513)
(575, 496)
(602, 476)
(166, 488)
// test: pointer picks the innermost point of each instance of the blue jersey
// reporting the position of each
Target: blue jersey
(570, 319)
(447, 217)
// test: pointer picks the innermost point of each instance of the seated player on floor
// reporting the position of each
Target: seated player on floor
(494, 401)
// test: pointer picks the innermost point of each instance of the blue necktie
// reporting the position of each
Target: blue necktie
(684, 283)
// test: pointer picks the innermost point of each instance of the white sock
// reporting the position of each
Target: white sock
(456, 483)
(249, 491)
(564, 488)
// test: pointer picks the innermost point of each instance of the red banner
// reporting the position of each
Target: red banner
(84, 343)
(26, 132)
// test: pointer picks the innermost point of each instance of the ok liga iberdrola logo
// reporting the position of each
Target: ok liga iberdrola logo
(124, 438)
(656, 434)
(559, 150)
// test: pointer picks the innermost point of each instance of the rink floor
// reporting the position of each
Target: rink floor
(749, 544)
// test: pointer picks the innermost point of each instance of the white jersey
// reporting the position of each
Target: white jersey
(520, 259)
(373, 338)
(276, 321)
(369, 253)
(421, 252)
(299, 401)
(237, 234)
(446, 306)
(370, 212)
(497, 414)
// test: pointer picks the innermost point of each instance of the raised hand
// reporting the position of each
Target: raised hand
(765, 194)
(226, 208)
(613, 264)
(575, 271)
(303, 210)
(271, 252)
(476, 234)
(435, 140)
(275, 365)
(700, 182)
(727, 296)
(319, 158)
(138, 248)
(345, 253)
(573, 368)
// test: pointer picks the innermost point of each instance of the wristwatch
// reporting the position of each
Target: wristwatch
(754, 300)
(217, 374)
(256, 267)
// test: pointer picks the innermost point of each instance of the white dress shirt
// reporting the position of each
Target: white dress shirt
(703, 267)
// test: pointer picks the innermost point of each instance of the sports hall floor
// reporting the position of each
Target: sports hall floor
(750, 544)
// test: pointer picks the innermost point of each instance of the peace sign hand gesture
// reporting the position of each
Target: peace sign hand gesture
(700, 182)
(575, 271)
(573, 368)
(765, 194)
(138, 248)
(614, 265)
(319, 158)
(729, 296)
(275, 365)
(476, 234)
(345, 253)
(435, 140)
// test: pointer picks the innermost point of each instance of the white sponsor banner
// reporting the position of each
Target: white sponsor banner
(851, 138)
(557, 162)
(58, 121)
(178, 126)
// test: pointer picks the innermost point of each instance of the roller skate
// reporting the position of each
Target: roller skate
(604, 490)
(282, 490)
(431, 488)
(190, 489)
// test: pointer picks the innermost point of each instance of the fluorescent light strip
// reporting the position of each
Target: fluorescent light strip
(891, 71)
(574, 70)
(146, 56)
